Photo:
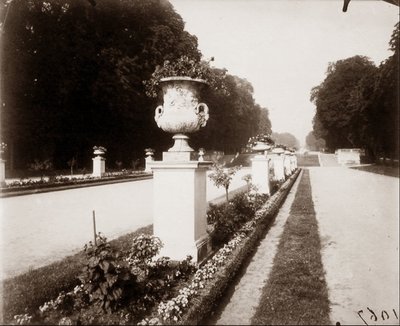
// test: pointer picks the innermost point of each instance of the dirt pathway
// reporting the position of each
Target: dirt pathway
(358, 216)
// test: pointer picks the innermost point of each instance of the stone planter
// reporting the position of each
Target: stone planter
(181, 113)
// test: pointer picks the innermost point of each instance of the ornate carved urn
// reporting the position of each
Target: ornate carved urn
(181, 113)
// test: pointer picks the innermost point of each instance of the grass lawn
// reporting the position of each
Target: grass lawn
(32, 289)
(390, 171)
(296, 292)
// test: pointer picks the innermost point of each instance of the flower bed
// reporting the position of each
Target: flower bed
(25, 185)
(122, 288)
(196, 301)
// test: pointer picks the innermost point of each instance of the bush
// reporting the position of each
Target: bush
(106, 277)
(117, 288)
(230, 217)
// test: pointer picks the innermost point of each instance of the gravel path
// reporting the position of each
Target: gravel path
(247, 293)
(358, 216)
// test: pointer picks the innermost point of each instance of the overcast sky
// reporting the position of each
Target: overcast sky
(283, 47)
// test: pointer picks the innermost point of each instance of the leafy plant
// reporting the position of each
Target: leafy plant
(222, 177)
(264, 138)
(185, 67)
(71, 163)
(41, 166)
(105, 277)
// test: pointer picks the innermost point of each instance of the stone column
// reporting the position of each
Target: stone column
(149, 159)
(277, 160)
(260, 174)
(99, 166)
(2, 172)
(180, 208)
(3, 147)
(286, 163)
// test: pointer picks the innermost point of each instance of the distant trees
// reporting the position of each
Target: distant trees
(357, 104)
(72, 77)
(313, 143)
(286, 139)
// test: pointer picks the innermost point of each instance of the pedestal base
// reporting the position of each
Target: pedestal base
(180, 206)
(99, 166)
(2, 172)
(260, 174)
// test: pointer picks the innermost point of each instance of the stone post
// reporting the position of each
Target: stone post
(149, 159)
(277, 160)
(2, 172)
(286, 163)
(99, 162)
(180, 208)
(3, 147)
(260, 174)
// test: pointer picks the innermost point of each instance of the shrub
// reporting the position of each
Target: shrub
(230, 217)
(106, 278)
(223, 176)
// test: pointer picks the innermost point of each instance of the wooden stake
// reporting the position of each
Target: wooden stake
(94, 227)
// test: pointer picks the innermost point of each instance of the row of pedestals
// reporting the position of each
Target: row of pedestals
(180, 202)
(280, 164)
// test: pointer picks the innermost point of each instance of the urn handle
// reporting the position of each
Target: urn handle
(158, 113)
(202, 112)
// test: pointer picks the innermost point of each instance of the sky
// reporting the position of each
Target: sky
(283, 47)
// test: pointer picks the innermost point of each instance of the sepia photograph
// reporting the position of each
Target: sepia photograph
(199, 162)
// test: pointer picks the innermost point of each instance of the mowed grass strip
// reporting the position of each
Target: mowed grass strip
(296, 291)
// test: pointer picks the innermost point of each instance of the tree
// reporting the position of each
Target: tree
(222, 177)
(286, 139)
(313, 143)
(72, 75)
(340, 100)
(357, 105)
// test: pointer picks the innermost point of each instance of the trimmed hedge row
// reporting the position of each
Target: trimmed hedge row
(207, 298)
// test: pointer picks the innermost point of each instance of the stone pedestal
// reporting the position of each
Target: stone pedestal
(286, 165)
(277, 161)
(148, 161)
(2, 172)
(99, 166)
(260, 174)
(180, 206)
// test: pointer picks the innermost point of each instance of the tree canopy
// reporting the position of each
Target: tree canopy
(313, 143)
(72, 77)
(357, 104)
(286, 139)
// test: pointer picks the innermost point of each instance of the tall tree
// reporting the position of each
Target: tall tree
(72, 74)
(313, 143)
(339, 101)
(286, 139)
(357, 105)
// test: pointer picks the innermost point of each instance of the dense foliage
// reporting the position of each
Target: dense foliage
(357, 104)
(72, 77)
(313, 143)
(286, 139)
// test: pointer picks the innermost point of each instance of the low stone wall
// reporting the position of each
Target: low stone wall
(209, 297)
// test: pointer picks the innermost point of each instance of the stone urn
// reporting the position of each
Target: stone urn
(181, 113)
(261, 148)
(99, 151)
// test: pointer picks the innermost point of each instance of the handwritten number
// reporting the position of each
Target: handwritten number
(383, 316)
(359, 315)
(394, 311)
(373, 314)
